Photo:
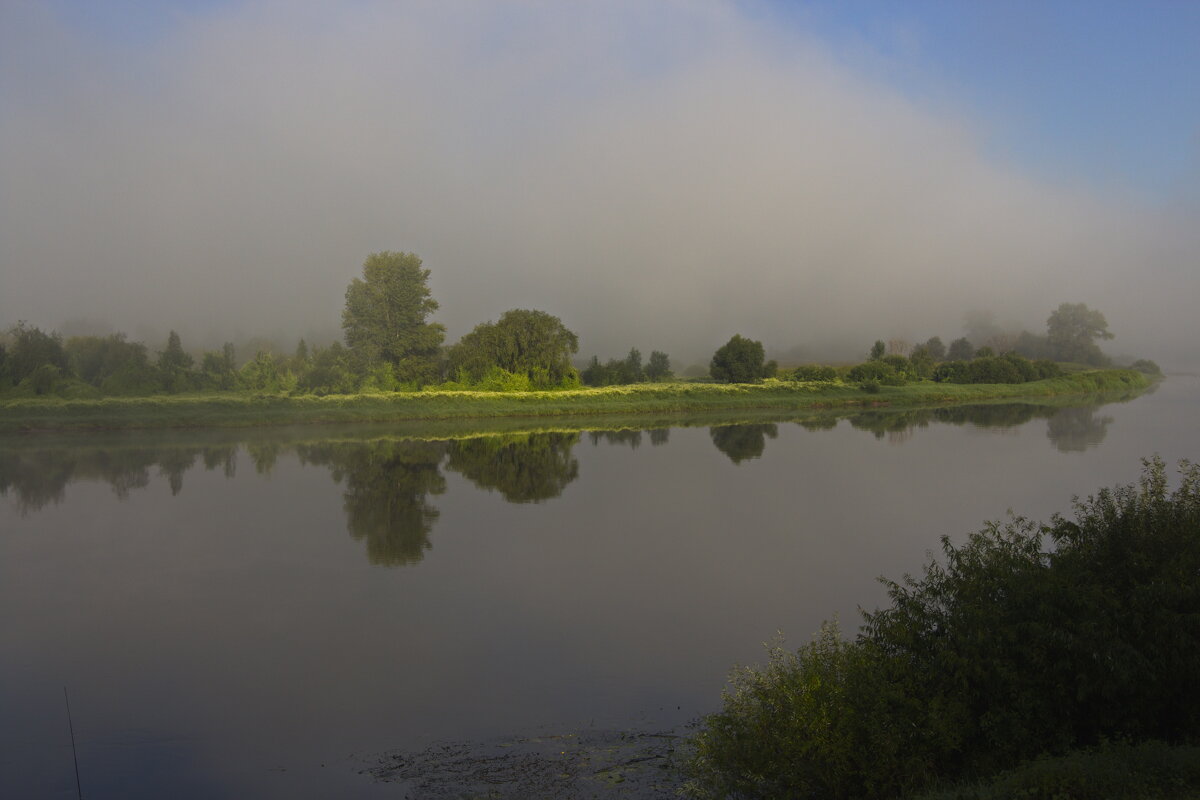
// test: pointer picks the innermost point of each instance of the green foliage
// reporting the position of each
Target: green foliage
(960, 350)
(935, 348)
(525, 342)
(328, 372)
(877, 350)
(498, 379)
(658, 368)
(814, 372)
(32, 348)
(1008, 368)
(175, 366)
(616, 372)
(1032, 346)
(1112, 771)
(95, 359)
(1071, 333)
(384, 318)
(871, 386)
(921, 362)
(739, 360)
(1004, 650)
(882, 371)
(1146, 367)
(263, 373)
(218, 370)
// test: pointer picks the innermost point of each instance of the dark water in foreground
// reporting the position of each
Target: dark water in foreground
(262, 613)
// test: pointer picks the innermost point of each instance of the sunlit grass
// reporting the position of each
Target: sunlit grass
(241, 409)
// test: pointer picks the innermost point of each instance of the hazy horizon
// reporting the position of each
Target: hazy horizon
(659, 176)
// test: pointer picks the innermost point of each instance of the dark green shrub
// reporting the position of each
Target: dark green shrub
(877, 371)
(1147, 771)
(870, 387)
(740, 360)
(1025, 640)
(814, 372)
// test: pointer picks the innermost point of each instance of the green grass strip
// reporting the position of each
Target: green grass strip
(661, 399)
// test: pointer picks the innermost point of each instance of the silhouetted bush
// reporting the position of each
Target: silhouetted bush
(1025, 640)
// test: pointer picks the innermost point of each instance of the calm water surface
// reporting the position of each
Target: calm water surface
(262, 613)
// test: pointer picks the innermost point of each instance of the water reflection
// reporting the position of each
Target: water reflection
(742, 442)
(1074, 430)
(38, 476)
(632, 438)
(388, 484)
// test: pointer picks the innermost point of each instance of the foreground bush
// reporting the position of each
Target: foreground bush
(1147, 771)
(1026, 640)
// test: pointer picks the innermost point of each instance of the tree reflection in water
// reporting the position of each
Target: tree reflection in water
(1074, 430)
(524, 468)
(385, 499)
(742, 442)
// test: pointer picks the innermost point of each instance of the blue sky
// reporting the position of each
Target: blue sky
(1106, 93)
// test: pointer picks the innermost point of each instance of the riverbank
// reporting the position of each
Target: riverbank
(661, 399)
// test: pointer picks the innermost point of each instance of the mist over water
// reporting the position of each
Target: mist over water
(657, 175)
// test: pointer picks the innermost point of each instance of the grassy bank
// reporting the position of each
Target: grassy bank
(663, 399)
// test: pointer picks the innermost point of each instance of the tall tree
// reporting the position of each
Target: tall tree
(32, 348)
(960, 350)
(937, 350)
(1071, 333)
(175, 365)
(659, 367)
(385, 318)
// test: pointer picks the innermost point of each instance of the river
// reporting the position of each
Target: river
(264, 613)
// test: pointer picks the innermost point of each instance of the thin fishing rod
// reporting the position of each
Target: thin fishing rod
(71, 725)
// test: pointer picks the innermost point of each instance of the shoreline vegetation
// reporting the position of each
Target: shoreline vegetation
(1034, 660)
(668, 400)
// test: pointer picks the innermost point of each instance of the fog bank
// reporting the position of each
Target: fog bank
(657, 175)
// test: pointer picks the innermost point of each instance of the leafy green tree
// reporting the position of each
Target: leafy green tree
(960, 350)
(95, 359)
(522, 342)
(31, 348)
(595, 373)
(658, 368)
(385, 318)
(1071, 333)
(329, 372)
(264, 373)
(921, 362)
(1031, 345)
(175, 365)
(219, 369)
(877, 350)
(937, 350)
(739, 360)
(634, 373)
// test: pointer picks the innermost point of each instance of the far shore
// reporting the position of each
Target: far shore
(654, 400)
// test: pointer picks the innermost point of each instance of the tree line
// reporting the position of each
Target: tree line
(391, 345)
